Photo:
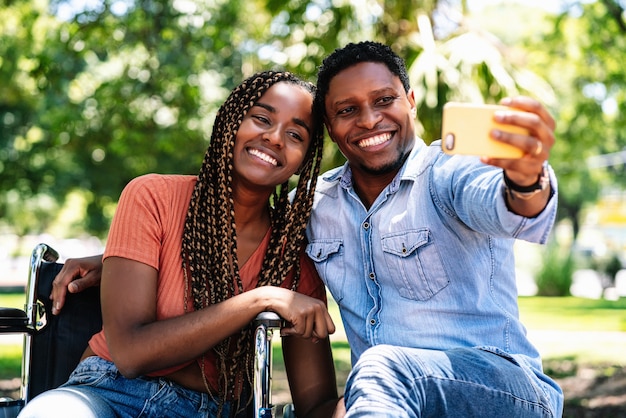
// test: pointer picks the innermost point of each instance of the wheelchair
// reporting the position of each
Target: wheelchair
(53, 344)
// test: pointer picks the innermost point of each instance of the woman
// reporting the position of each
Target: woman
(190, 261)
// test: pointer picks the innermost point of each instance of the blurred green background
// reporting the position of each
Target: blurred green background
(96, 92)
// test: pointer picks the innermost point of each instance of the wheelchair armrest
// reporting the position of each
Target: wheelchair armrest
(13, 320)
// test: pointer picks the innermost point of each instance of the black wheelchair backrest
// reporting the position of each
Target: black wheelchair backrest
(53, 344)
(58, 346)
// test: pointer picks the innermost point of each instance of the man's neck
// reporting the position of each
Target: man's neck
(369, 186)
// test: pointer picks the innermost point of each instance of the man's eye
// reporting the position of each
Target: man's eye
(345, 111)
(386, 100)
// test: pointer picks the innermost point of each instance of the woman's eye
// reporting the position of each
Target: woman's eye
(262, 119)
(297, 136)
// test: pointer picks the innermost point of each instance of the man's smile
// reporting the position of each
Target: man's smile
(374, 140)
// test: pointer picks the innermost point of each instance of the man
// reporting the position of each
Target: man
(416, 247)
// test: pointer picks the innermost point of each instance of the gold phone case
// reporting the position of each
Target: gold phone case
(466, 127)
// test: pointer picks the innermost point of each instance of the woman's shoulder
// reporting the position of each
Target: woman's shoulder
(154, 181)
(161, 185)
(163, 179)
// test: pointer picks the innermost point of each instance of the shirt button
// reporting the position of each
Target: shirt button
(372, 276)
(366, 225)
(372, 322)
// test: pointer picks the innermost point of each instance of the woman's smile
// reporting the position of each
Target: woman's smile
(263, 156)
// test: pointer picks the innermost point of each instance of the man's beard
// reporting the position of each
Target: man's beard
(389, 167)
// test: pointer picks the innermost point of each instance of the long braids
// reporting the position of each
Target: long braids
(209, 247)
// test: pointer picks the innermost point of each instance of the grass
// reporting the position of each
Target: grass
(11, 354)
(574, 330)
(10, 360)
(12, 300)
(573, 314)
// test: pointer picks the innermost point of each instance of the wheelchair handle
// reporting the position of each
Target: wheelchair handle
(41, 253)
(34, 311)
(264, 324)
(269, 319)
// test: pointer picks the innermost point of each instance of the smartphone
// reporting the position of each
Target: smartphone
(466, 127)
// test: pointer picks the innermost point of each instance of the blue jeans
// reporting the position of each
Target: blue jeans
(97, 389)
(390, 381)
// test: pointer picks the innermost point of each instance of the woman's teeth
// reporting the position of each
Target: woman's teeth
(264, 157)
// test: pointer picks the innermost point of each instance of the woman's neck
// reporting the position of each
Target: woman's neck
(252, 220)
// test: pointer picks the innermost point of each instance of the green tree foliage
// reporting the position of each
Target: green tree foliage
(584, 59)
(555, 276)
(28, 166)
(120, 89)
(111, 94)
(456, 59)
(93, 98)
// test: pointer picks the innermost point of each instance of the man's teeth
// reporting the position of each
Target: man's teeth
(263, 156)
(375, 140)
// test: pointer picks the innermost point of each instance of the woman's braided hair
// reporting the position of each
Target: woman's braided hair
(209, 247)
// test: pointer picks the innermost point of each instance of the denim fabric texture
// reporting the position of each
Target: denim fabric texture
(430, 265)
(112, 395)
(406, 382)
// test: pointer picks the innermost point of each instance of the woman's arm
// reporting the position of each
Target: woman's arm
(140, 344)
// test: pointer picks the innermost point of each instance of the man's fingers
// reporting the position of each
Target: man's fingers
(75, 287)
(91, 279)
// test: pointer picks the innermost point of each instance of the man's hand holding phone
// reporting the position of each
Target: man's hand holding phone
(516, 136)
(467, 128)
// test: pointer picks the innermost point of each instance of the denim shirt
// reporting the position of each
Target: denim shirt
(430, 264)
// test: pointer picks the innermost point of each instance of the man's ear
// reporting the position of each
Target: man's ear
(410, 95)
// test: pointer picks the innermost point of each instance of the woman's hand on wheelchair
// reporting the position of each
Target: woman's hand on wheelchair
(304, 316)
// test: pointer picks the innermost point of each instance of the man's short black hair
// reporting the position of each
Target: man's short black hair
(352, 54)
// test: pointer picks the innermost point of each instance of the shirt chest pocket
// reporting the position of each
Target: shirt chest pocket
(328, 257)
(414, 264)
